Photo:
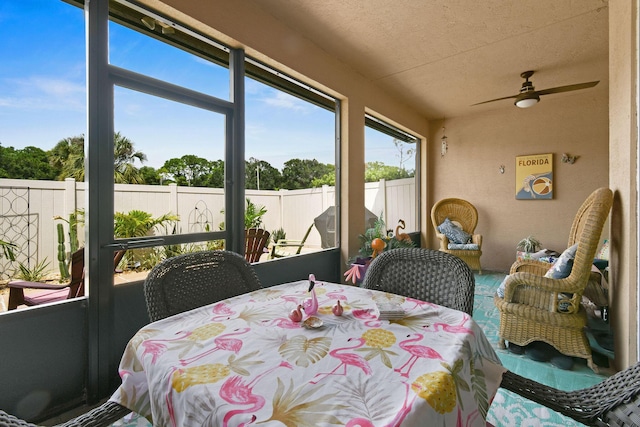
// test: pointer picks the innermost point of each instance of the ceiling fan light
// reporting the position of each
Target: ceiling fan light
(527, 102)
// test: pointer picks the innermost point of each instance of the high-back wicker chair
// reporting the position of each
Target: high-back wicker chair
(613, 402)
(196, 279)
(255, 240)
(465, 215)
(536, 308)
(424, 274)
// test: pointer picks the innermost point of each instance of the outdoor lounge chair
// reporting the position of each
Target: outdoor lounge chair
(424, 274)
(287, 243)
(195, 279)
(52, 292)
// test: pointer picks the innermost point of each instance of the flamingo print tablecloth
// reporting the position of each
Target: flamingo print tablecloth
(242, 361)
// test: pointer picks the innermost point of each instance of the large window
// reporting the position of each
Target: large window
(171, 160)
(391, 184)
(42, 125)
(290, 165)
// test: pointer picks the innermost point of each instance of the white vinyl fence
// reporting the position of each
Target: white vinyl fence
(28, 208)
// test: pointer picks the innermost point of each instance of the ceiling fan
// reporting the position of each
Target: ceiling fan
(529, 96)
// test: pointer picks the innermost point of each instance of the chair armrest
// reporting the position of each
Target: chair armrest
(23, 284)
(541, 292)
(444, 241)
(477, 239)
(101, 416)
(532, 266)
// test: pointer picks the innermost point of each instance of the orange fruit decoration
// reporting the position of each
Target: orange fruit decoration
(378, 246)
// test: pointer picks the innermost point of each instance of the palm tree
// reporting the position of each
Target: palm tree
(124, 157)
(68, 158)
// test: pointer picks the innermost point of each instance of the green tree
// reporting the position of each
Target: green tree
(194, 171)
(27, 163)
(124, 158)
(260, 175)
(150, 175)
(375, 171)
(67, 157)
(327, 179)
(298, 173)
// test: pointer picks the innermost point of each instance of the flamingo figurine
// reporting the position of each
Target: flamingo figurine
(223, 342)
(351, 359)
(237, 392)
(310, 305)
(417, 351)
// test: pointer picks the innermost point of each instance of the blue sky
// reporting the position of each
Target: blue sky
(42, 95)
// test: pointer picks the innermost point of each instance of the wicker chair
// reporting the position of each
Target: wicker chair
(101, 416)
(255, 240)
(195, 279)
(530, 310)
(424, 274)
(613, 402)
(465, 215)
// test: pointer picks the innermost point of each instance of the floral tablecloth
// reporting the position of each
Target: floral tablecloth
(243, 361)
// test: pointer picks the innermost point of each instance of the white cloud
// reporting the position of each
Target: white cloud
(285, 101)
(43, 93)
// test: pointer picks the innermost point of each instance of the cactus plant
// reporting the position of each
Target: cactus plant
(62, 254)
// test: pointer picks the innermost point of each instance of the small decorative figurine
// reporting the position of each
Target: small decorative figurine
(310, 305)
(296, 314)
(337, 309)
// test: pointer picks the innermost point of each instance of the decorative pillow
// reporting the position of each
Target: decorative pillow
(603, 253)
(463, 246)
(500, 290)
(562, 267)
(453, 232)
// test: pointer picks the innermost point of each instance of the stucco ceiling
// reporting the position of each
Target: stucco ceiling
(441, 56)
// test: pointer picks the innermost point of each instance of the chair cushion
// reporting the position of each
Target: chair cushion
(603, 253)
(562, 267)
(45, 296)
(463, 246)
(454, 232)
(500, 290)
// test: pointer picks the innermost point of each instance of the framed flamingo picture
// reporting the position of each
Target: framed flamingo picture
(534, 177)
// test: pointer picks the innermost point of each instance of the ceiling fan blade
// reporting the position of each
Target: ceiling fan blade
(497, 99)
(567, 88)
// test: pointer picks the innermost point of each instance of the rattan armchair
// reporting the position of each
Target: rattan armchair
(613, 402)
(424, 274)
(536, 308)
(465, 215)
(196, 279)
(101, 416)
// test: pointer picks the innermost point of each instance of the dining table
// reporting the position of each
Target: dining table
(255, 359)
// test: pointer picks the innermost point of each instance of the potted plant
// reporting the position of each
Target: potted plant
(375, 240)
(527, 246)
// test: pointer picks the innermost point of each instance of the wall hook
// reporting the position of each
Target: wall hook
(501, 168)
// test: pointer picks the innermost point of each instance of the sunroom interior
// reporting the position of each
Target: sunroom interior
(404, 69)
